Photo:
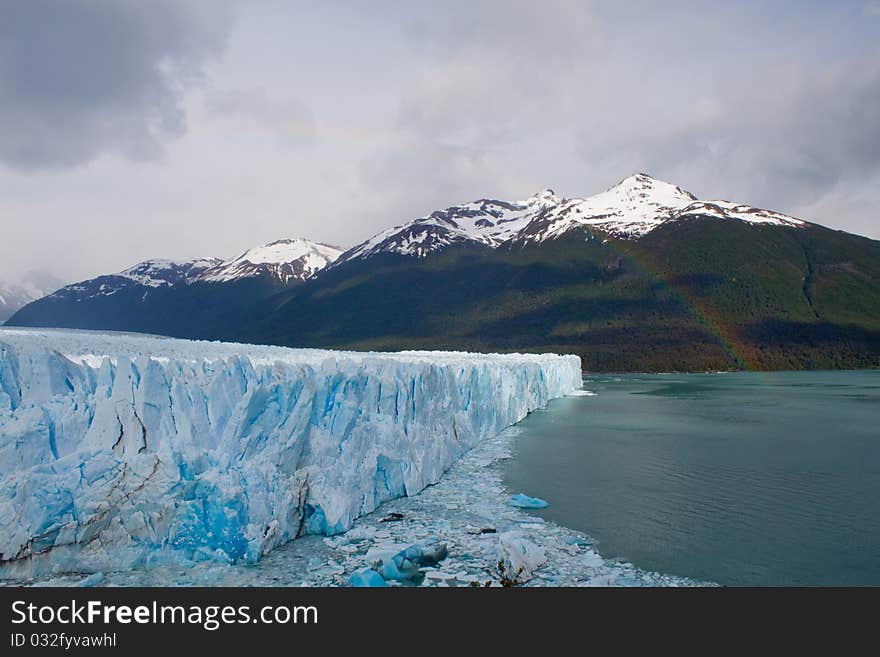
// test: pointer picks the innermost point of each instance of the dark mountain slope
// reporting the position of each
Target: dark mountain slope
(199, 310)
(204, 298)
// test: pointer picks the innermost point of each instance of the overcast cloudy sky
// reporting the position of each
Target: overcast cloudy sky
(177, 128)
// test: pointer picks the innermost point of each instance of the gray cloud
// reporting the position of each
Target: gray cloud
(336, 120)
(739, 101)
(780, 141)
(289, 119)
(85, 77)
(496, 70)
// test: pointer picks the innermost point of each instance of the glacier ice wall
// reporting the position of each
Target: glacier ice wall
(118, 450)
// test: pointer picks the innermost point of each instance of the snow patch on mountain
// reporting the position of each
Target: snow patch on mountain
(484, 221)
(149, 274)
(119, 451)
(286, 260)
(727, 210)
(159, 272)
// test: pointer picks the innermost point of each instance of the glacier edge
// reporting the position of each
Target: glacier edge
(119, 451)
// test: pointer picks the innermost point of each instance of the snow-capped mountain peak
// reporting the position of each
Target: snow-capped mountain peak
(159, 272)
(286, 260)
(630, 209)
(545, 198)
(484, 221)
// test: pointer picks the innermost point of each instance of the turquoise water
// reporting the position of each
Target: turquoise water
(737, 478)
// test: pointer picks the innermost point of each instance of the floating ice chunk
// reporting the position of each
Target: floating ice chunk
(397, 567)
(406, 564)
(521, 557)
(367, 577)
(429, 552)
(523, 501)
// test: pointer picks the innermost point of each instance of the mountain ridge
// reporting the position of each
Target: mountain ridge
(641, 277)
(285, 259)
(629, 209)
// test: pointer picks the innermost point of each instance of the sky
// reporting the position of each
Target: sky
(181, 128)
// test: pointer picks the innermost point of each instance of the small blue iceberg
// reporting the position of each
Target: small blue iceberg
(402, 566)
(366, 577)
(405, 564)
(523, 501)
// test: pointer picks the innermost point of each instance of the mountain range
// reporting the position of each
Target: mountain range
(641, 277)
(203, 298)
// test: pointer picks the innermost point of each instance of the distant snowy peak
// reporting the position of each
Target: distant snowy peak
(630, 209)
(285, 260)
(164, 273)
(32, 286)
(546, 198)
(149, 274)
(13, 297)
(485, 221)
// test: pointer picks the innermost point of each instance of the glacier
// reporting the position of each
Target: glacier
(120, 451)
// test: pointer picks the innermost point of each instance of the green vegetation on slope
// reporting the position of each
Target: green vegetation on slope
(695, 295)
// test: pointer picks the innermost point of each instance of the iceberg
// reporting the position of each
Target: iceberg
(523, 501)
(367, 578)
(520, 557)
(120, 451)
(406, 564)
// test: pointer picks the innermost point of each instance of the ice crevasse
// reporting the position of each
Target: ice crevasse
(119, 451)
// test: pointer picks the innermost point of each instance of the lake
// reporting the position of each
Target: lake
(738, 478)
